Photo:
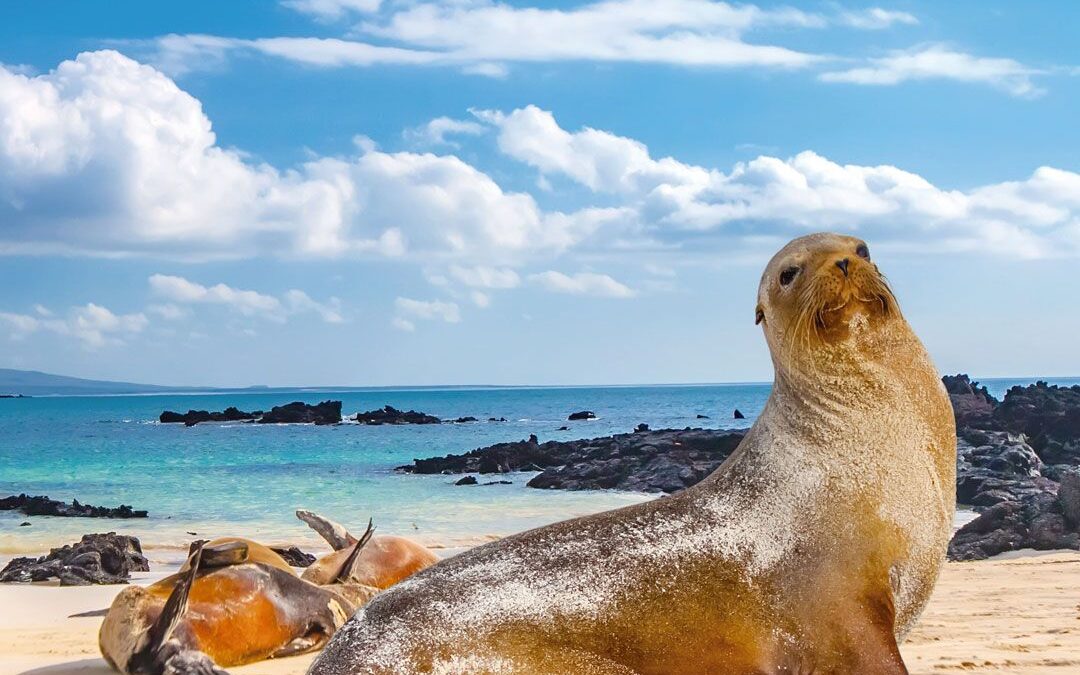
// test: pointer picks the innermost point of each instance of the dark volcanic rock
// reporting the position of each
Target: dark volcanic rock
(648, 461)
(582, 415)
(462, 420)
(703, 417)
(738, 414)
(294, 556)
(467, 480)
(298, 412)
(43, 506)
(1048, 415)
(1036, 522)
(193, 417)
(990, 463)
(391, 415)
(496, 419)
(641, 428)
(95, 559)
(973, 405)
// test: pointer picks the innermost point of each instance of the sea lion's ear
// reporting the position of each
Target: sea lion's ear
(759, 315)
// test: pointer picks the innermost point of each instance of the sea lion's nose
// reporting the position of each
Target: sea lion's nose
(842, 264)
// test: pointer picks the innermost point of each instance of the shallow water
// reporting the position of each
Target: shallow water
(218, 479)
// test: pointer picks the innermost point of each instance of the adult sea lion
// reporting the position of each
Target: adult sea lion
(812, 549)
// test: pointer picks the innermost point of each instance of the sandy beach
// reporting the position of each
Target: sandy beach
(1013, 614)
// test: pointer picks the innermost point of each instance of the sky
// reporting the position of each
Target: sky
(356, 192)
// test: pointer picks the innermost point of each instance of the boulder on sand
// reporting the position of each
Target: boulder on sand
(95, 559)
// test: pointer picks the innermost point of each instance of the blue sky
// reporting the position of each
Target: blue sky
(461, 192)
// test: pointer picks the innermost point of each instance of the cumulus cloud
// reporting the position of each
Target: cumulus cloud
(938, 62)
(246, 302)
(436, 131)
(583, 283)
(876, 18)
(332, 9)
(671, 203)
(138, 166)
(483, 276)
(427, 310)
(93, 325)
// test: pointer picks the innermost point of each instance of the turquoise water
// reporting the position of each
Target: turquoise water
(248, 479)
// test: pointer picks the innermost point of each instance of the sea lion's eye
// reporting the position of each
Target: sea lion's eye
(862, 251)
(788, 275)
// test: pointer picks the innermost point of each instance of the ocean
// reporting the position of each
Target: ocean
(247, 479)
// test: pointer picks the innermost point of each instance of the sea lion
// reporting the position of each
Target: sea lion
(812, 549)
(382, 562)
(233, 602)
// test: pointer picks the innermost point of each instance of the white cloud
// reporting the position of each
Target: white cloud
(141, 173)
(876, 18)
(299, 302)
(482, 276)
(92, 325)
(42, 310)
(403, 324)
(583, 283)
(938, 62)
(332, 9)
(246, 302)
(481, 300)
(428, 309)
(668, 203)
(436, 131)
(168, 311)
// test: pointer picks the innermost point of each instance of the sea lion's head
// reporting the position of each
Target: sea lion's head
(820, 291)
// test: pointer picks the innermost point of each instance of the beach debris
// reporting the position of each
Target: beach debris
(582, 415)
(391, 415)
(43, 506)
(95, 559)
(467, 480)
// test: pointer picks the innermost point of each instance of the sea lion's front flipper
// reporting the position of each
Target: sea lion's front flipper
(151, 657)
(191, 662)
(334, 533)
(345, 570)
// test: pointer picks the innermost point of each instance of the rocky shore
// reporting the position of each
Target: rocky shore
(43, 506)
(1018, 464)
(95, 559)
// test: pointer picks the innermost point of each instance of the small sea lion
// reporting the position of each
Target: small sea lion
(380, 563)
(812, 549)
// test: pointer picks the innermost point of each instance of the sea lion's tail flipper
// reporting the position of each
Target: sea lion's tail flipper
(345, 570)
(334, 533)
(155, 650)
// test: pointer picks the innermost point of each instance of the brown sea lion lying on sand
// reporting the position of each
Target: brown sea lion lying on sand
(236, 601)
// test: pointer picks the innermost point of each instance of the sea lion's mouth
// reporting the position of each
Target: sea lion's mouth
(829, 304)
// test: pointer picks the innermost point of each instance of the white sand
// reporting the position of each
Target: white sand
(1014, 614)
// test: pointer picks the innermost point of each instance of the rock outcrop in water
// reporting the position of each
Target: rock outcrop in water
(391, 415)
(297, 412)
(95, 559)
(43, 506)
(647, 461)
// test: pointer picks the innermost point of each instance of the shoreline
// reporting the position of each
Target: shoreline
(1009, 614)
